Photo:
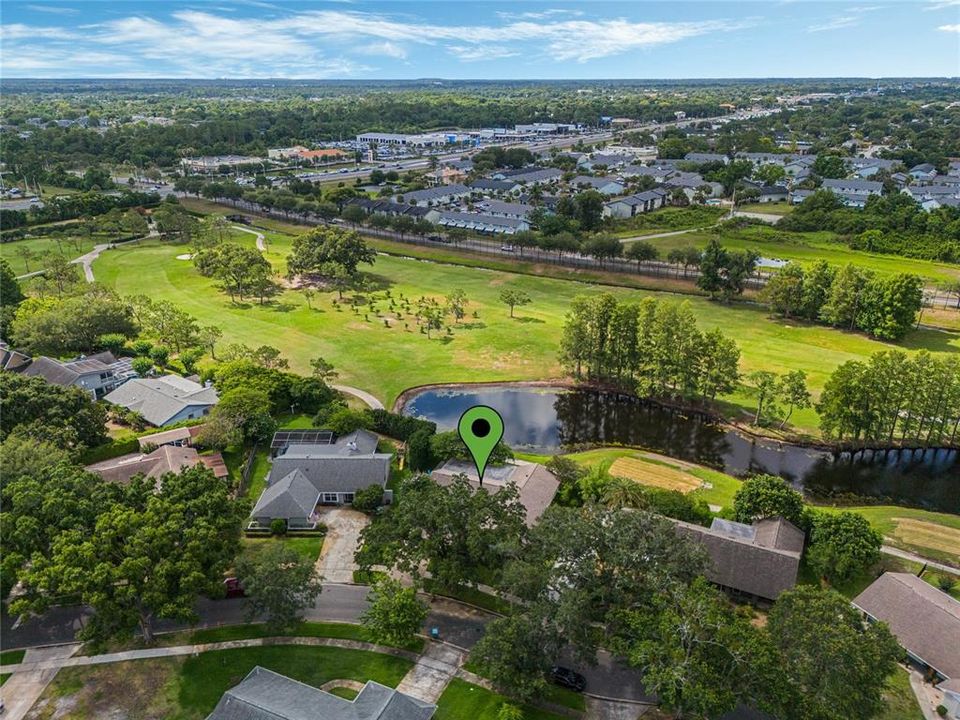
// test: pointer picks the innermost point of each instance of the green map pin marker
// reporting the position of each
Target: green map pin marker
(480, 428)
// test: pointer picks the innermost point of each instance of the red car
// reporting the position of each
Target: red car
(233, 588)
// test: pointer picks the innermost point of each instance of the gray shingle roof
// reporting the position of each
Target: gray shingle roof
(857, 185)
(924, 620)
(535, 176)
(435, 193)
(292, 496)
(266, 695)
(762, 559)
(160, 399)
(348, 465)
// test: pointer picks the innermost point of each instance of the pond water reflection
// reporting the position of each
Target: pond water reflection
(542, 420)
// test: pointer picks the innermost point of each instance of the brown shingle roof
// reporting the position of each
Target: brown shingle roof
(166, 458)
(762, 560)
(535, 483)
(924, 620)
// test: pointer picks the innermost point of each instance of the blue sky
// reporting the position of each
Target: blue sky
(464, 40)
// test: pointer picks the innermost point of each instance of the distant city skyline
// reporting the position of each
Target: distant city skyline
(479, 40)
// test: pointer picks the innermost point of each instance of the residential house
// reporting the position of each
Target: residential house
(165, 400)
(12, 360)
(758, 561)
(435, 196)
(535, 484)
(772, 193)
(266, 695)
(607, 160)
(482, 223)
(925, 621)
(540, 176)
(336, 467)
(636, 204)
(97, 374)
(446, 176)
(701, 158)
(659, 173)
(387, 207)
(603, 185)
(157, 463)
(799, 165)
(765, 158)
(693, 183)
(494, 186)
(924, 172)
(293, 499)
(852, 186)
(517, 211)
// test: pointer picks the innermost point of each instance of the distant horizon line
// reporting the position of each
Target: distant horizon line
(488, 79)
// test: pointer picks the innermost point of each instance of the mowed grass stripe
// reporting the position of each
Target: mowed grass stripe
(655, 474)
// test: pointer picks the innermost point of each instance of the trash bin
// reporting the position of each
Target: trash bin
(435, 633)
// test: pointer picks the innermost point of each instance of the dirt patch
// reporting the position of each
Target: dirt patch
(648, 473)
(135, 689)
(928, 535)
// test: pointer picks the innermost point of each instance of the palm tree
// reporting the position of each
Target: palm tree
(620, 493)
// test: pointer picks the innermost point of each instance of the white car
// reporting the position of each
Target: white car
(506, 248)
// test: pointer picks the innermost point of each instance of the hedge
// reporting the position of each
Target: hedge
(397, 426)
(115, 448)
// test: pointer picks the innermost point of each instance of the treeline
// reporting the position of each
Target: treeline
(653, 348)
(894, 398)
(893, 224)
(849, 298)
(70, 207)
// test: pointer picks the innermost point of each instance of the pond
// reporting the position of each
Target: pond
(541, 420)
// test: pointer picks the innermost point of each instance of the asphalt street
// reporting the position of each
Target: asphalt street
(457, 623)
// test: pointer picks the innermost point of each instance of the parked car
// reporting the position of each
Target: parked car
(506, 248)
(570, 679)
(234, 588)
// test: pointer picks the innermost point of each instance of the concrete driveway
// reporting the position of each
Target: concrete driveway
(335, 564)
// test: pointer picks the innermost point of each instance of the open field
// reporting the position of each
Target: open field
(493, 346)
(189, 688)
(808, 247)
(927, 535)
(769, 208)
(72, 247)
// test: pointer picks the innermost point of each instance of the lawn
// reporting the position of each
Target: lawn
(770, 208)
(901, 703)
(463, 700)
(189, 688)
(805, 248)
(12, 657)
(386, 360)
(308, 547)
(72, 247)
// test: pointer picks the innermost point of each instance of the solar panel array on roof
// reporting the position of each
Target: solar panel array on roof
(285, 438)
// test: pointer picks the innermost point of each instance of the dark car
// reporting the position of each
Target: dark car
(233, 588)
(565, 677)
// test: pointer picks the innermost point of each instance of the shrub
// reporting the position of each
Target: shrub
(110, 450)
(114, 342)
(420, 451)
(345, 420)
(142, 347)
(368, 499)
(942, 710)
(160, 355)
(189, 359)
(141, 365)
(278, 526)
(946, 582)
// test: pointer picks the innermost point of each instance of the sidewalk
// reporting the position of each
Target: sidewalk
(23, 688)
(436, 667)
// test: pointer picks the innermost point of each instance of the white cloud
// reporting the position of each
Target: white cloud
(387, 49)
(941, 4)
(472, 53)
(837, 23)
(950, 28)
(53, 9)
(205, 43)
